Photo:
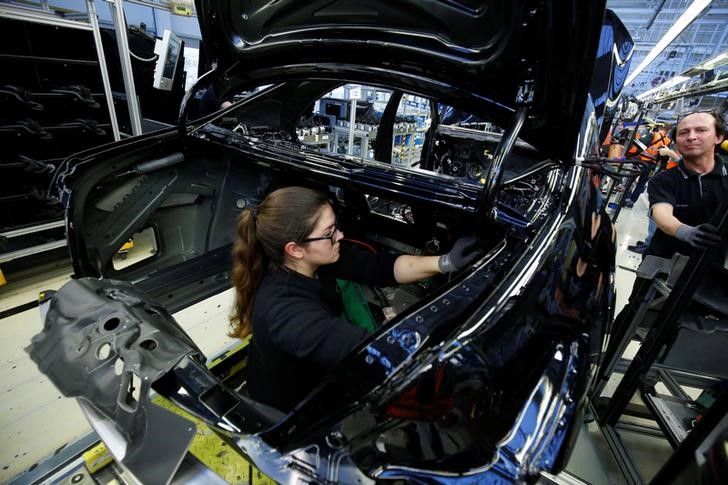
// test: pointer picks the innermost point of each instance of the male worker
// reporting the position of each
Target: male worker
(668, 159)
(682, 200)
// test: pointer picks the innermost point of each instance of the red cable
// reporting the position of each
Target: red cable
(356, 241)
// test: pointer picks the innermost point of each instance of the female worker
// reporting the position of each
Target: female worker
(286, 258)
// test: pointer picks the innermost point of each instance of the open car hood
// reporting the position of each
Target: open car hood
(490, 57)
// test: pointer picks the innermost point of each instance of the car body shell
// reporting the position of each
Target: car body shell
(481, 380)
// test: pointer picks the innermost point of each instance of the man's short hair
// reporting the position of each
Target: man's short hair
(717, 121)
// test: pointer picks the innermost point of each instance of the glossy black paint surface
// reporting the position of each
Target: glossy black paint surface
(482, 376)
(614, 57)
(500, 55)
(461, 367)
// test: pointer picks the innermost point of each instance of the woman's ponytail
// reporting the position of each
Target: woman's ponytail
(247, 273)
(287, 214)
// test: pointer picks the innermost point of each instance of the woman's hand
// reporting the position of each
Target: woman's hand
(408, 269)
(464, 251)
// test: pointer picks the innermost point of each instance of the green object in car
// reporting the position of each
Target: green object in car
(356, 306)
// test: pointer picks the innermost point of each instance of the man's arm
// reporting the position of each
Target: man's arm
(662, 201)
(667, 152)
(665, 220)
(700, 237)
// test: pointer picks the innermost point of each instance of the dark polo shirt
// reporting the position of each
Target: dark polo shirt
(693, 197)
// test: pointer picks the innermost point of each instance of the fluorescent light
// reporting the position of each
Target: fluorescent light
(667, 84)
(695, 9)
(718, 60)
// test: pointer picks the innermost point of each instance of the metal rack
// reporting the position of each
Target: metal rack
(668, 290)
(48, 237)
(117, 13)
(44, 17)
(28, 251)
(717, 86)
(628, 183)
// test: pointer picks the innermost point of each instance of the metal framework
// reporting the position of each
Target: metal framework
(644, 371)
(45, 17)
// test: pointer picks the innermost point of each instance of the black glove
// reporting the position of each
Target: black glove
(464, 251)
(700, 237)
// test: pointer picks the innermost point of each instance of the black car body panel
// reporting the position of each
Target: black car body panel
(494, 55)
(614, 57)
(480, 377)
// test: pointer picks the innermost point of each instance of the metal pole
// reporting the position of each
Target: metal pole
(94, 21)
(364, 141)
(352, 122)
(117, 12)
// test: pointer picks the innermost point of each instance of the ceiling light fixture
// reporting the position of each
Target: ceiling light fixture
(717, 61)
(690, 14)
(667, 84)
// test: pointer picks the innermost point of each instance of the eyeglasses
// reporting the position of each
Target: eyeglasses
(331, 237)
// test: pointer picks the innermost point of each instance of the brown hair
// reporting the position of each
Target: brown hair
(285, 215)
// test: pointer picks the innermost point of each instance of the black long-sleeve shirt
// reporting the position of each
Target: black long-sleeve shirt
(298, 335)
